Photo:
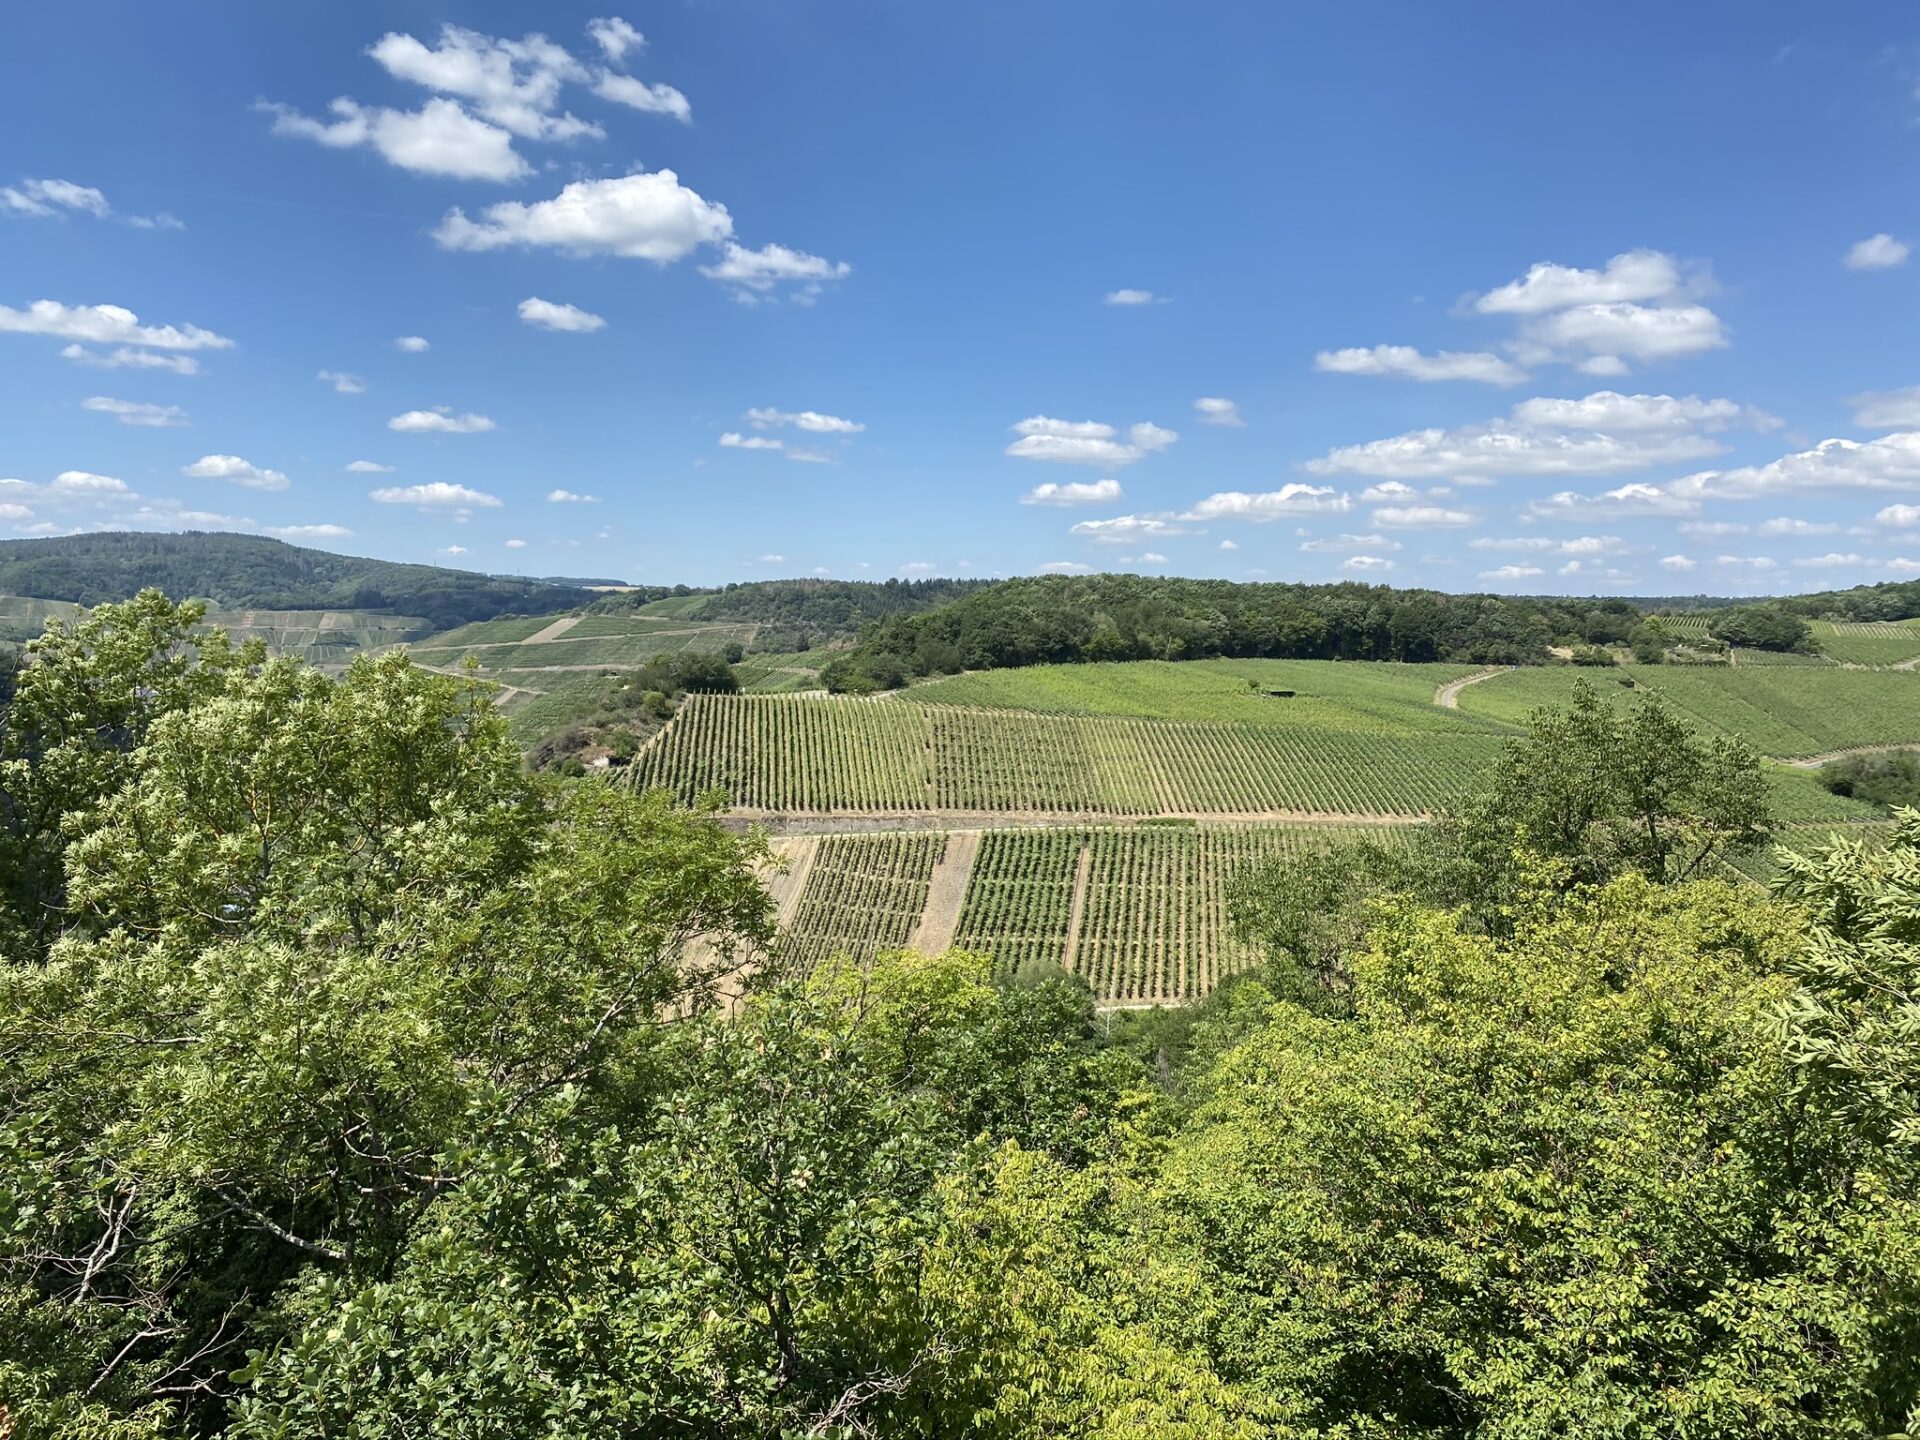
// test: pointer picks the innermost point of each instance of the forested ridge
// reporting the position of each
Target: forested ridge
(354, 1081)
(252, 571)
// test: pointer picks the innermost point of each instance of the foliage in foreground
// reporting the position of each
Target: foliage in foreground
(367, 1087)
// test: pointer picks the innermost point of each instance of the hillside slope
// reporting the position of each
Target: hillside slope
(253, 572)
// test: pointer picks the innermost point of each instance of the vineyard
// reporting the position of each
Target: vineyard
(1152, 921)
(811, 753)
(864, 893)
(1885, 642)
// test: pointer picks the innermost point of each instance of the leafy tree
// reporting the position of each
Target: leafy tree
(1762, 627)
(1890, 778)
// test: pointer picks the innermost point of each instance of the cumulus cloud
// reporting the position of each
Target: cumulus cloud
(654, 99)
(1603, 433)
(1637, 498)
(1074, 492)
(1633, 276)
(812, 421)
(135, 412)
(648, 215)
(551, 315)
(754, 272)
(1750, 562)
(1587, 545)
(1788, 525)
(310, 532)
(615, 37)
(1830, 561)
(1877, 252)
(569, 497)
(516, 544)
(1129, 297)
(1405, 362)
(440, 420)
(1086, 442)
(1512, 572)
(514, 84)
(1065, 567)
(1213, 410)
(47, 199)
(342, 382)
(734, 440)
(368, 467)
(1890, 463)
(1366, 562)
(127, 357)
(1887, 409)
(1346, 544)
(106, 325)
(1677, 562)
(436, 495)
(236, 470)
(1420, 517)
(1388, 492)
(440, 138)
(1902, 516)
(412, 344)
(1643, 332)
(1126, 529)
(1290, 499)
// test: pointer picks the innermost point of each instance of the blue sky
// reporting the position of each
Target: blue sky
(1472, 298)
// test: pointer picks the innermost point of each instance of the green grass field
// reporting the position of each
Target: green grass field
(1328, 694)
(1788, 711)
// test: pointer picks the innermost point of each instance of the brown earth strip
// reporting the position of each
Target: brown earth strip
(1447, 697)
(1077, 910)
(553, 631)
(946, 892)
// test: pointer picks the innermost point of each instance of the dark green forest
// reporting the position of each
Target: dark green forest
(356, 1082)
(251, 571)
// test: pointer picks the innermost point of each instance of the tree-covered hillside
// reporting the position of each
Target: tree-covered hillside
(251, 571)
(1060, 618)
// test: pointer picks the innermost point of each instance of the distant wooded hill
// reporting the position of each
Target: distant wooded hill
(253, 572)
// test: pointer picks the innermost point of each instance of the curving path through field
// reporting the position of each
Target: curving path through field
(1814, 762)
(1447, 697)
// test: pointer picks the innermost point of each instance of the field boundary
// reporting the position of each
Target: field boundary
(946, 894)
(1077, 909)
(843, 822)
(1447, 696)
(553, 631)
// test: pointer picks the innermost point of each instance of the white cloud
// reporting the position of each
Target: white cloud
(1903, 566)
(757, 271)
(106, 325)
(1086, 442)
(812, 457)
(643, 216)
(1405, 362)
(1635, 275)
(1420, 517)
(440, 138)
(1677, 562)
(516, 544)
(1149, 557)
(811, 421)
(1366, 562)
(1753, 562)
(412, 344)
(1578, 545)
(1125, 529)
(368, 467)
(1902, 516)
(1714, 528)
(1829, 561)
(639, 95)
(1787, 525)
(45, 199)
(1887, 409)
(1065, 567)
(135, 412)
(1075, 492)
(1388, 492)
(569, 497)
(85, 482)
(1129, 297)
(310, 532)
(1878, 252)
(1512, 572)
(514, 84)
(615, 37)
(233, 468)
(127, 357)
(1603, 433)
(1347, 544)
(552, 315)
(442, 420)
(343, 382)
(436, 494)
(1289, 499)
(1636, 498)
(733, 440)
(454, 550)
(1229, 544)
(1644, 332)
(1213, 410)
(1890, 463)
(1609, 410)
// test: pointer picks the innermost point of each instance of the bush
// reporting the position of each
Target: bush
(1888, 779)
